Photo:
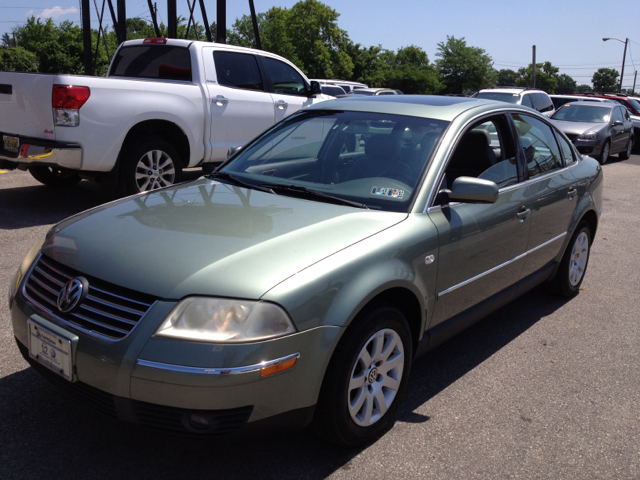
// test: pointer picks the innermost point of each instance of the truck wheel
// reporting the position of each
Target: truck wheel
(54, 176)
(149, 164)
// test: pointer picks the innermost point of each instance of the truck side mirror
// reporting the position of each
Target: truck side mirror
(315, 89)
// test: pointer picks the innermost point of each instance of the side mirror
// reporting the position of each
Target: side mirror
(315, 89)
(471, 190)
(232, 151)
(617, 123)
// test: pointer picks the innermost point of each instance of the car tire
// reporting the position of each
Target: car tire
(573, 266)
(148, 164)
(360, 394)
(627, 153)
(54, 176)
(604, 156)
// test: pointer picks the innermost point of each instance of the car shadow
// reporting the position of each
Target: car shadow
(45, 427)
(36, 205)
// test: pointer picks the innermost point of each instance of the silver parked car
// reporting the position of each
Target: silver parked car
(597, 129)
(310, 270)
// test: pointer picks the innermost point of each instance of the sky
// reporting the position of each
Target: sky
(567, 33)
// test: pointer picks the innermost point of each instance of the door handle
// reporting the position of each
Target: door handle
(220, 100)
(281, 104)
(522, 214)
(572, 192)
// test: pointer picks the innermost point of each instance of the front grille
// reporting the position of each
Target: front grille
(108, 311)
(219, 422)
(98, 399)
(571, 136)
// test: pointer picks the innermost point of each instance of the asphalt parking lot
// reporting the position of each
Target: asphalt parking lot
(543, 388)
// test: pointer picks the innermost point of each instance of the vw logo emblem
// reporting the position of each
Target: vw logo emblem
(72, 294)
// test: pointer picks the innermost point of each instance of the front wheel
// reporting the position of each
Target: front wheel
(54, 176)
(627, 153)
(604, 156)
(574, 262)
(365, 378)
(149, 164)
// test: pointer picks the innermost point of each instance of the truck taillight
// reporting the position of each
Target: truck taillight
(155, 40)
(66, 101)
(70, 96)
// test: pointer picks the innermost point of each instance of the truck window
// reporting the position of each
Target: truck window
(238, 70)
(152, 61)
(284, 78)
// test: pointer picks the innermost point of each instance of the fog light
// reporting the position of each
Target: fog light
(199, 422)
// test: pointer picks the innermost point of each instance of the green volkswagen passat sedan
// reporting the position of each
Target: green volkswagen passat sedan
(296, 284)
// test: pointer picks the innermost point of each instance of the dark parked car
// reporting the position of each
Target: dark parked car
(597, 129)
(311, 269)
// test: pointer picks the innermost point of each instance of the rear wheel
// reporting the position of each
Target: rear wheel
(604, 156)
(627, 153)
(149, 164)
(574, 263)
(366, 377)
(54, 176)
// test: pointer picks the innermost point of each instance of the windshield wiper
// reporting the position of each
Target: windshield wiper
(305, 192)
(238, 182)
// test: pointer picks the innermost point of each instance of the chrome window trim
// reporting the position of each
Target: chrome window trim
(216, 371)
(533, 180)
(509, 262)
(50, 314)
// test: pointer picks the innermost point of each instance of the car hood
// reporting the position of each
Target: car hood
(208, 238)
(577, 128)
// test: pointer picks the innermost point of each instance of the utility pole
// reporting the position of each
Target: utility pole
(172, 20)
(221, 21)
(633, 90)
(122, 21)
(254, 20)
(86, 37)
(624, 56)
(534, 67)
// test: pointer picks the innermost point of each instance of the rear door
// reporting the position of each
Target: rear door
(241, 107)
(549, 189)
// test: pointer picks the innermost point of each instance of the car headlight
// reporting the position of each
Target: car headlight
(588, 136)
(220, 320)
(24, 267)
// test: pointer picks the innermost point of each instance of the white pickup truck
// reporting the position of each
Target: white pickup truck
(165, 105)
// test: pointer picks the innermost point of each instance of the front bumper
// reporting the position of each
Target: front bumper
(588, 147)
(163, 383)
(36, 151)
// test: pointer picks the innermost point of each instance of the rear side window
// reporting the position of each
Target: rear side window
(540, 148)
(567, 151)
(526, 101)
(239, 70)
(153, 61)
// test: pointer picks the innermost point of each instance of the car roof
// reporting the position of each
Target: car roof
(438, 107)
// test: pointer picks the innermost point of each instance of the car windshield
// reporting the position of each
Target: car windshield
(575, 112)
(373, 159)
(501, 97)
(635, 103)
(362, 92)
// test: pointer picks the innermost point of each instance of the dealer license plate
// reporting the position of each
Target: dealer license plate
(51, 350)
(11, 144)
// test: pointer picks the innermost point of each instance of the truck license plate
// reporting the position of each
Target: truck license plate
(11, 144)
(50, 350)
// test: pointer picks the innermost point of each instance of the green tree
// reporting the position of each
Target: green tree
(17, 59)
(584, 88)
(545, 77)
(410, 71)
(506, 78)
(463, 68)
(369, 65)
(605, 80)
(566, 84)
(58, 48)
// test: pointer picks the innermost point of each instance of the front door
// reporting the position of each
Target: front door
(480, 246)
(241, 108)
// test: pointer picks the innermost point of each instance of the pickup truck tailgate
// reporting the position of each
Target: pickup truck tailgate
(25, 104)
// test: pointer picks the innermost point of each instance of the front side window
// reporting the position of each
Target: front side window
(617, 115)
(485, 151)
(567, 152)
(284, 78)
(500, 96)
(538, 141)
(238, 70)
(370, 158)
(526, 101)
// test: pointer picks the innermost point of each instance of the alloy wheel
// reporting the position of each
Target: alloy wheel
(375, 377)
(155, 169)
(579, 257)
